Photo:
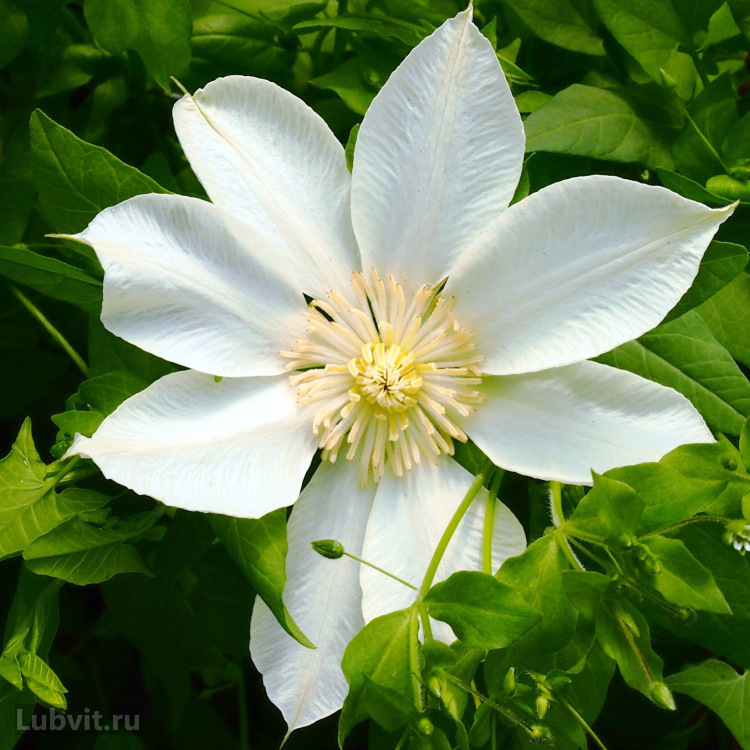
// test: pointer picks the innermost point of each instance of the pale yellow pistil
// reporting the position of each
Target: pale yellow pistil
(388, 379)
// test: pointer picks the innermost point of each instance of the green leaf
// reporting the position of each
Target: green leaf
(586, 589)
(14, 31)
(688, 480)
(651, 33)
(31, 627)
(721, 27)
(359, 79)
(689, 188)
(722, 262)
(380, 653)
(714, 112)
(259, 547)
(381, 26)
(389, 708)
(683, 355)
(158, 31)
(633, 124)
(537, 573)
(483, 612)
(610, 509)
(727, 314)
(720, 633)
(681, 579)
(104, 393)
(741, 13)
(75, 179)
(716, 685)
(623, 634)
(53, 278)
(29, 505)
(83, 553)
(564, 23)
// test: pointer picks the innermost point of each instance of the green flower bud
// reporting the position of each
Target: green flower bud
(329, 548)
(425, 727)
(509, 682)
(662, 696)
(540, 732)
(542, 704)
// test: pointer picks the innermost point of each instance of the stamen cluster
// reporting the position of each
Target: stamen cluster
(388, 378)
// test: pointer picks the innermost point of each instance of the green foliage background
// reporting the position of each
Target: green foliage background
(142, 610)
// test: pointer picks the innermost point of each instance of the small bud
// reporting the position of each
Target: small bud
(509, 682)
(542, 704)
(425, 727)
(662, 696)
(667, 80)
(627, 541)
(329, 548)
(540, 732)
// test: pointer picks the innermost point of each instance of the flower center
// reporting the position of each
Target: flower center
(389, 379)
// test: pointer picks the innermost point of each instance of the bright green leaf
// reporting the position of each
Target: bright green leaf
(683, 355)
(727, 314)
(610, 509)
(483, 612)
(681, 579)
(379, 652)
(633, 124)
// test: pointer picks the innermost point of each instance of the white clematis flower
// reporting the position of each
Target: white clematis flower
(388, 367)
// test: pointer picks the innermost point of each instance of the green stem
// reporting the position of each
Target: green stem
(450, 530)
(489, 521)
(706, 518)
(414, 658)
(426, 626)
(56, 335)
(339, 44)
(502, 710)
(583, 723)
(598, 560)
(564, 545)
(404, 737)
(702, 136)
(555, 503)
(380, 570)
(699, 66)
(242, 701)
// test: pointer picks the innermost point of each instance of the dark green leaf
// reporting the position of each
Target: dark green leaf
(562, 23)
(651, 33)
(53, 278)
(634, 124)
(259, 547)
(716, 685)
(76, 180)
(483, 612)
(683, 355)
(158, 31)
(381, 26)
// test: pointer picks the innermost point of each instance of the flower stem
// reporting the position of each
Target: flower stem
(583, 723)
(489, 521)
(703, 518)
(437, 556)
(380, 570)
(56, 335)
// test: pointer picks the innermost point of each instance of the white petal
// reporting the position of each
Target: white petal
(438, 155)
(239, 447)
(409, 517)
(561, 423)
(265, 156)
(188, 283)
(323, 596)
(578, 268)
